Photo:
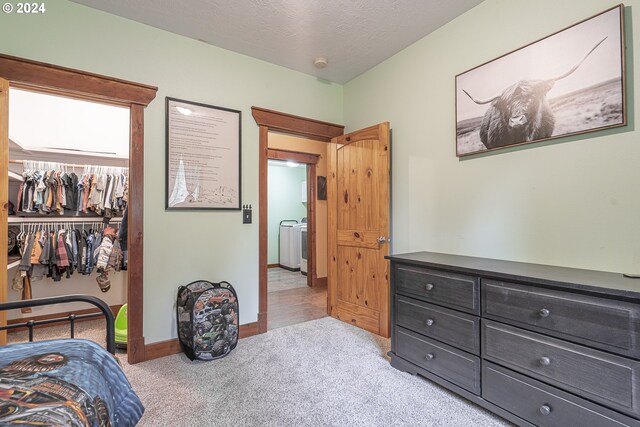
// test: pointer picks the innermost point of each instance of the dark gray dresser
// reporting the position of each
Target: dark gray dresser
(537, 345)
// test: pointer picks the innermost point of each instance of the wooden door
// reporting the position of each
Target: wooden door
(4, 200)
(358, 184)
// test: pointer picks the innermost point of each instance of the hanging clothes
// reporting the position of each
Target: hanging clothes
(57, 251)
(99, 190)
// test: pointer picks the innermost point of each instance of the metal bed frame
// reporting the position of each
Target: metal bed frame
(71, 318)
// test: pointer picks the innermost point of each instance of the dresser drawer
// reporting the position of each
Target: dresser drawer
(598, 322)
(611, 380)
(453, 290)
(456, 366)
(451, 327)
(544, 405)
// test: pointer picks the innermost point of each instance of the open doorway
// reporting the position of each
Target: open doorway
(287, 216)
(68, 192)
(297, 229)
(272, 123)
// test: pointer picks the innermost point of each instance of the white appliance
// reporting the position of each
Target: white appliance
(290, 245)
(303, 248)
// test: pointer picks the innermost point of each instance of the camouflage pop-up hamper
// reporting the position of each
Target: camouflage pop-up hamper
(207, 316)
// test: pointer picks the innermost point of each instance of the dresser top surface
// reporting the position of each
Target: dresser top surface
(599, 282)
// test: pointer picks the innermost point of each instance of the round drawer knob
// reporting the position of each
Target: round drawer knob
(545, 409)
(429, 322)
(429, 286)
(430, 356)
(544, 312)
(545, 361)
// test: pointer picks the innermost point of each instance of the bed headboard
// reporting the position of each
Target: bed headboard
(104, 308)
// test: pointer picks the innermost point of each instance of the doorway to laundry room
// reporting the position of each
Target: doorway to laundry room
(297, 230)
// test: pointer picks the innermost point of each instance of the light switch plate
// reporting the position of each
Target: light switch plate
(246, 216)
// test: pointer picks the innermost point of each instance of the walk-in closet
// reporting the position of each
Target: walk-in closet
(68, 194)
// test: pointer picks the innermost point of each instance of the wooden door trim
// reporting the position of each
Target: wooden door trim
(69, 81)
(276, 121)
(294, 156)
(312, 272)
(49, 78)
(263, 228)
(269, 120)
(4, 201)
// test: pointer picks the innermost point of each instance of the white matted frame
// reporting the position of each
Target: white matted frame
(568, 83)
(203, 157)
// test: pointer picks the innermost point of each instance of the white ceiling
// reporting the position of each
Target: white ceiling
(353, 35)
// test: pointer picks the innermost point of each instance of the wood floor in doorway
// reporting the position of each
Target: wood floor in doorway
(279, 279)
(296, 306)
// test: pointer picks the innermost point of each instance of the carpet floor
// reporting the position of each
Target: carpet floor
(318, 373)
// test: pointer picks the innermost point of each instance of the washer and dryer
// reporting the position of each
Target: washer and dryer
(290, 244)
(293, 245)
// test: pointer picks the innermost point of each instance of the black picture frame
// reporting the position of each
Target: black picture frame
(570, 82)
(203, 158)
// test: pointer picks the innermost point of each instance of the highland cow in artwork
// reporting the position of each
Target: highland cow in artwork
(587, 95)
(521, 113)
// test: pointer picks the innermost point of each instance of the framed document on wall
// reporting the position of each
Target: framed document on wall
(203, 156)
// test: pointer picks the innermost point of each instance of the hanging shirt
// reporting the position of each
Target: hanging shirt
(89, 255)
(25, 262)
(37, 249)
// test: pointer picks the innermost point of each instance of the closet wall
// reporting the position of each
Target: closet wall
(44, 128)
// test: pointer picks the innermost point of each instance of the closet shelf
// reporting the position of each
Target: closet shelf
(13, 261)
(15, 176)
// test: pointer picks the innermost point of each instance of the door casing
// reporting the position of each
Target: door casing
(62, 81)
(274, 121)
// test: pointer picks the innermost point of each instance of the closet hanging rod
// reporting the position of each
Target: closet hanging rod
(76, 219)
(69, 165)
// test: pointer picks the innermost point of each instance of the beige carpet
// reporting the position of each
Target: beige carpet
(319, 373)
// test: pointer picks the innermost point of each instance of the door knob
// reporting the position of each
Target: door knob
(382, 240)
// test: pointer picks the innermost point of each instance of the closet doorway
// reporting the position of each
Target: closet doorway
(34, 79)
(68, 189)
(286, 137)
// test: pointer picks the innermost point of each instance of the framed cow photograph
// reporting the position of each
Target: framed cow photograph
(570, 82)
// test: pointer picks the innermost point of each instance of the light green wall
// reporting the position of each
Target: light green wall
(285, 202)
(571, 202)
(179, 246)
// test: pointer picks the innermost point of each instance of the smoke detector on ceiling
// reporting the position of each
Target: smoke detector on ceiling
(320, 62)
